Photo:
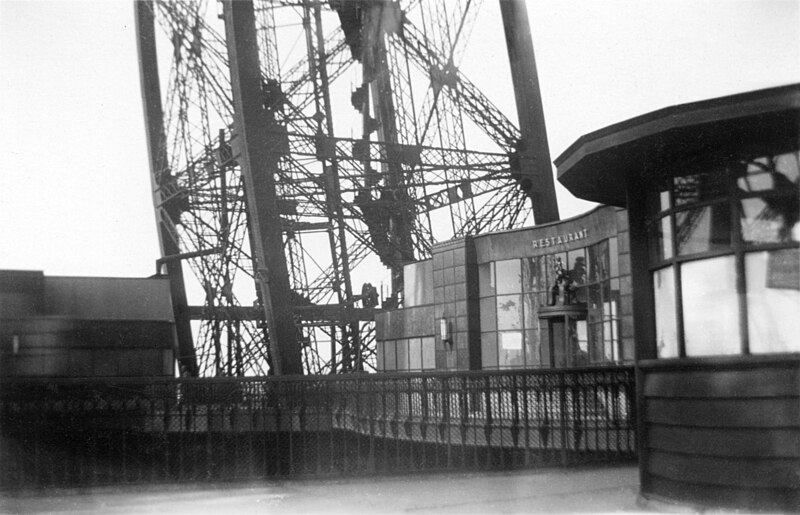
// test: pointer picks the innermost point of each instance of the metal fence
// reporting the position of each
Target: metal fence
(66, 432)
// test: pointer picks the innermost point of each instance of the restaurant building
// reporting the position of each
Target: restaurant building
(713, 198)
(690, 269)
(555, 295)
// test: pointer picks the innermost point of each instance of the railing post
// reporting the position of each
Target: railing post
(562, 394)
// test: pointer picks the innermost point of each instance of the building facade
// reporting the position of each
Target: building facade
(85, 326)
(712, 190)
(555, 295)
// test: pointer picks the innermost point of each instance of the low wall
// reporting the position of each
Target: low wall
(722, 432)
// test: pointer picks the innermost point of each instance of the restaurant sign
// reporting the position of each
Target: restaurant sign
(560, 239)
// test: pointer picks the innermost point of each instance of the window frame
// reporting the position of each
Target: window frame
(738, 247)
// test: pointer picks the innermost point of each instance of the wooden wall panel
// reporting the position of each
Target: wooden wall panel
(722, 432)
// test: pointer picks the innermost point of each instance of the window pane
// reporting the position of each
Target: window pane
(531, 310)
(509, 276)
(379, 349)
(510, 354)
(428, 353)
(770, 219)
(415, 354)
(704, 229)
(486, 279)
(773, 300)
(544, 345)
(666, 323)
(489, 350)
(578, 343)
(700, 187)
(658, 199)
(710, 307)
(596, 347)
(611, 339)
(778, 173)
(533, 274)
(613, 257)
(661, 240)
(598, 261)
(402, 354)
(595, 300)
(577, 266)
(552, 259)
(488, 314)
(532, 356)
(509, 312)
(390, 359)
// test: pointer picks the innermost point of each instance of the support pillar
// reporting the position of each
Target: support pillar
(260, 141)
(159, 173)
(532, 163)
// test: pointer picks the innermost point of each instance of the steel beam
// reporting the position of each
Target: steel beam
(260, 140)
(159, 174)
(533, 155)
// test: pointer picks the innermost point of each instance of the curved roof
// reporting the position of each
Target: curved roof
(596, 166)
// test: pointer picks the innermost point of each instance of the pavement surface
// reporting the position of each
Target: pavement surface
(576, 490)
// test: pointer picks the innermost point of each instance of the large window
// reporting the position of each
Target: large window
(406, 354)
(725, 258)
(511, 291)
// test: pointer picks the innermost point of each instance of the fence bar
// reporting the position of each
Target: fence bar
(62, 432)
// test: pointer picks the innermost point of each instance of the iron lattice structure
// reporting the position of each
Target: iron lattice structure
(428, 157)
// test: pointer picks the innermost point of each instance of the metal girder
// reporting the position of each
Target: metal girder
(259, 164)
(533, 154)
(476, 105)
(159, 177)
(327, 313)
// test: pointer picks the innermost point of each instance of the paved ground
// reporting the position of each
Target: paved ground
(582, 490)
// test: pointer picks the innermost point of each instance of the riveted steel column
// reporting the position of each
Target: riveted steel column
(260, 139)
(535, 169)
(159, 172)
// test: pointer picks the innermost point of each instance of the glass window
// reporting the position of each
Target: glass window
(508, 275)
(552, 259)
(666, 322)
(489, 350)
(579, 343)
(770, 219)
(510, 351)
(703, 229)
(428, 353)
(595, 334)
(778, 173)
(415, 354)
(488, 314)
(661, 240)
(577, 266)
(532, 357)
(379, 349)
(531, 310)
(773, 300)
(486, 279)
(402, 354)
(710, 307)
(390, 359)
(613, 257)
(598, 261)
(700, 187)
(534, 275)
(544, 346)
(658, 199)
(509, 312)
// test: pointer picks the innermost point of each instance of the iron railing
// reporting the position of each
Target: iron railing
(63, 432)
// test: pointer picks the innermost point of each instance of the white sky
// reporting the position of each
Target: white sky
(74, 185)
